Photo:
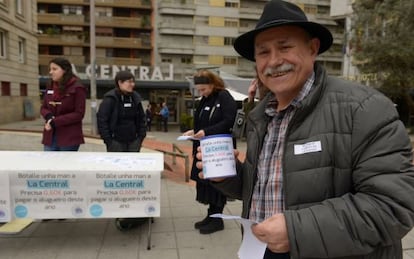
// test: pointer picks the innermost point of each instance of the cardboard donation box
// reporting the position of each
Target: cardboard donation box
(79, 185)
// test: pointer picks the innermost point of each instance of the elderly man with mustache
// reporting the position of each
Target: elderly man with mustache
(328, 170)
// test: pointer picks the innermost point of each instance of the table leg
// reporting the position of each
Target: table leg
(150, 220)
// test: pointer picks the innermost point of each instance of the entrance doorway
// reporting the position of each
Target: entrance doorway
(170, 97)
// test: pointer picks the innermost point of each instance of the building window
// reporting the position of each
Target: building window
(23, 89)
(166, 60)
(3, 44)
(22, 50)
(186, 60)
(232, 4)
(324, 10)
(310, 9)
(19, 7)
(5, 88)
(230, 61)
(72, 9)
(229, 41)
(103, 11)
(109, 53)
(104, 31)
(231, 23)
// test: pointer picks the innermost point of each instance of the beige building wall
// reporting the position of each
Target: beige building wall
(200, 33)
(19, 92)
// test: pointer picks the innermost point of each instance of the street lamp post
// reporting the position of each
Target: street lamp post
(92, 49)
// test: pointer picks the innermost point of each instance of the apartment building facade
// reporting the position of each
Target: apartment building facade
(123, 31)
(19, 97)
(200, 33)
(124, 39)
(163, 42)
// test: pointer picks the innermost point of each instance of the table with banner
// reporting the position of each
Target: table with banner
(57, 185)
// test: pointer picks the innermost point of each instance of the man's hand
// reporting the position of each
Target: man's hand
(273, 232)
(251, 91)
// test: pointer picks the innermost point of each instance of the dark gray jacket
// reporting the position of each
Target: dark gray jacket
(354, 198)
(107, 116)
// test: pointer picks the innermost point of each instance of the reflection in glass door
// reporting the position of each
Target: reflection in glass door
(171, 98)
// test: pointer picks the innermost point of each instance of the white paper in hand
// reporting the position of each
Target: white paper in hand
(182, 137)
(251, 247)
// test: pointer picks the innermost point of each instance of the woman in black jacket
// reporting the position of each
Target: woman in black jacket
(214, 115)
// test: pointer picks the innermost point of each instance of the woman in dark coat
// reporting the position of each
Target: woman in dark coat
(214, 115)
(63, 108)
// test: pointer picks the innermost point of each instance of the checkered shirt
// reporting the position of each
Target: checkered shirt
(268, 195)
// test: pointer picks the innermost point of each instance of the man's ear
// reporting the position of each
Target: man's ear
(315, 44)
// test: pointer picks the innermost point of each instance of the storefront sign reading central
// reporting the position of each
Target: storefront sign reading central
(105, 71)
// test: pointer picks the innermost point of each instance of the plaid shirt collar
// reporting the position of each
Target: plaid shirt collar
(272, 104)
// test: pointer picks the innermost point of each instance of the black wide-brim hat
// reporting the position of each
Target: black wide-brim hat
(278, 13)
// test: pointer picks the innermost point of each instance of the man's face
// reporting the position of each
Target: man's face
(284, 59)
(127, 86)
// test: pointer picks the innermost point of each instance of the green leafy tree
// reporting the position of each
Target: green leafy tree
(383, 44)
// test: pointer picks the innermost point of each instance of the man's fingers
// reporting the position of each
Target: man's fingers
(258, 233)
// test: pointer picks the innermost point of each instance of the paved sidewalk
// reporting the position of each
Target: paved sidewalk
(173, 235)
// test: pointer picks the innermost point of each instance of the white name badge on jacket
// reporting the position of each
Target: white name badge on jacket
(127, 105)
(310, 147)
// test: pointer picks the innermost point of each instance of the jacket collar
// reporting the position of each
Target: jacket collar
(304, 107)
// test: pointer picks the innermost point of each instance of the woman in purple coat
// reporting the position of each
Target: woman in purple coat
(63, 108)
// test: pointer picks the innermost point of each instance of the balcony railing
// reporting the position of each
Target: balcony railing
(123, 22)
(119, 61)
(76, 60)
(72, 2)
(118, 42)
(124, 3)
(176, 8)
(60, 19)
(168, 48)
(61, 39)
(182, 28)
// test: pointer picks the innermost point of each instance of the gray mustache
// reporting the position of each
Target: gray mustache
(282, 68)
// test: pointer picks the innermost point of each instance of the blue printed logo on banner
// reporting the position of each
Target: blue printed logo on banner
(96, 210)
(77, 211)
(20, 211)
(2, 214)
(150, 209)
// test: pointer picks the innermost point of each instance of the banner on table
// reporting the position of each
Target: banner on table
(5, 214)
(130, 188)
